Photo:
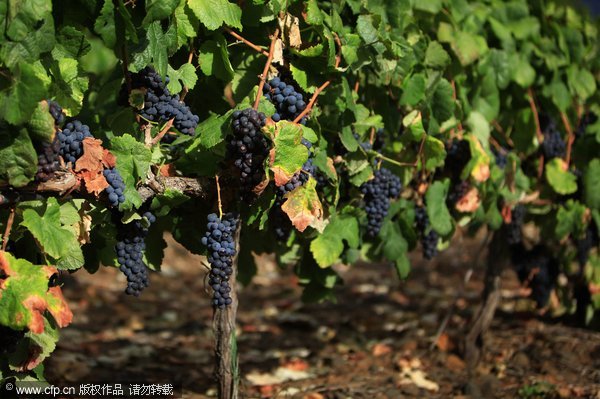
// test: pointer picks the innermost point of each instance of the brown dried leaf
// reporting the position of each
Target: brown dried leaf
(469, 202)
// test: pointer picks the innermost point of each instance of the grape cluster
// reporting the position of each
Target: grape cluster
(429, 239)
(130, 253)
(458, 154)
(501, 158)
(378, 192)
(48, 160)
(248, 147)
(160, 105)
(71, 138)
(513, 229)
(116, 188)
(553, 146)
(585, 245)
(539, 268)
(219, 240)
(56, 112)
(288, 102)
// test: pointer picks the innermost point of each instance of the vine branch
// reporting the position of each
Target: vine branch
(263, 76)
(536, 115)
(570, 136)
(246, 41)
(9, 223)
(162, 133)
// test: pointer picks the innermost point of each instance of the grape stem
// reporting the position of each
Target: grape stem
(313, 99)
(263, 77)
(570, 136)
(9, 223)
(536, 116)
(219, 197)
(246, 41)
(162, 133)
(398, 163)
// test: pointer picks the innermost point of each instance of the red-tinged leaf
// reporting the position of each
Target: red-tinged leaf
(25, 295)
(90, 165)
(469, 202)
(168, 170)
(108, 159)
(303, 206)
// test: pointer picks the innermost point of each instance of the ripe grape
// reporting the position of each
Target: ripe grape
(56, 112)
(130, 253)
(458, 154)
(160, 105)
(116, 189)
(378, 192)
(553, 146)
(288, 102)
(248, 147)
(539, 268)
(429, 239)
(220, 243)
(513, 231)
(48, 160)
(71, 138)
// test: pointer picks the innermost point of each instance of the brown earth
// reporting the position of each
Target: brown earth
(377, 341)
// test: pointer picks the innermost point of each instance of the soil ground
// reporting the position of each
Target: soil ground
(377, 341)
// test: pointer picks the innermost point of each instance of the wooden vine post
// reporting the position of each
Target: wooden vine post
(226, 358)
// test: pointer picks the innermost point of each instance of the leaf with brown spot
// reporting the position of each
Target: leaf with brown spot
(303, 206)
(90, 165)
(25, 295)
(469, 202)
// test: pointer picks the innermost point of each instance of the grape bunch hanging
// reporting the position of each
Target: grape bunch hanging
(378, 192)
(160, 105)
(429, 237)
(288, 102)
(131, 244)
(71, 140)
(248, 148)
(220, 243)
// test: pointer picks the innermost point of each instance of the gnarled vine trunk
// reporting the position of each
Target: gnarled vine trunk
(226, 359)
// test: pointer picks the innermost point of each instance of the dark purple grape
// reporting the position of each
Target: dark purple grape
(220, 244)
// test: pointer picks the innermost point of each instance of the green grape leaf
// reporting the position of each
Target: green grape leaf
(133, 163)
(436, 56)
(69, 85)
(214, 13)
(328, 246)
(395, 247)
(184, 76)
(105, 24)
(437, 211)
(41, 124)
(468, 47)
(163, 203)
(55, 239)
(32, 350)
(288, 153)
(435, 153)
(25, 296)
(560, 178)
(18, 159)
(30, 87)
(214, 59)
(313, 14)
(570, 219)
(591, 184)
(159, 9)
(413, 90)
